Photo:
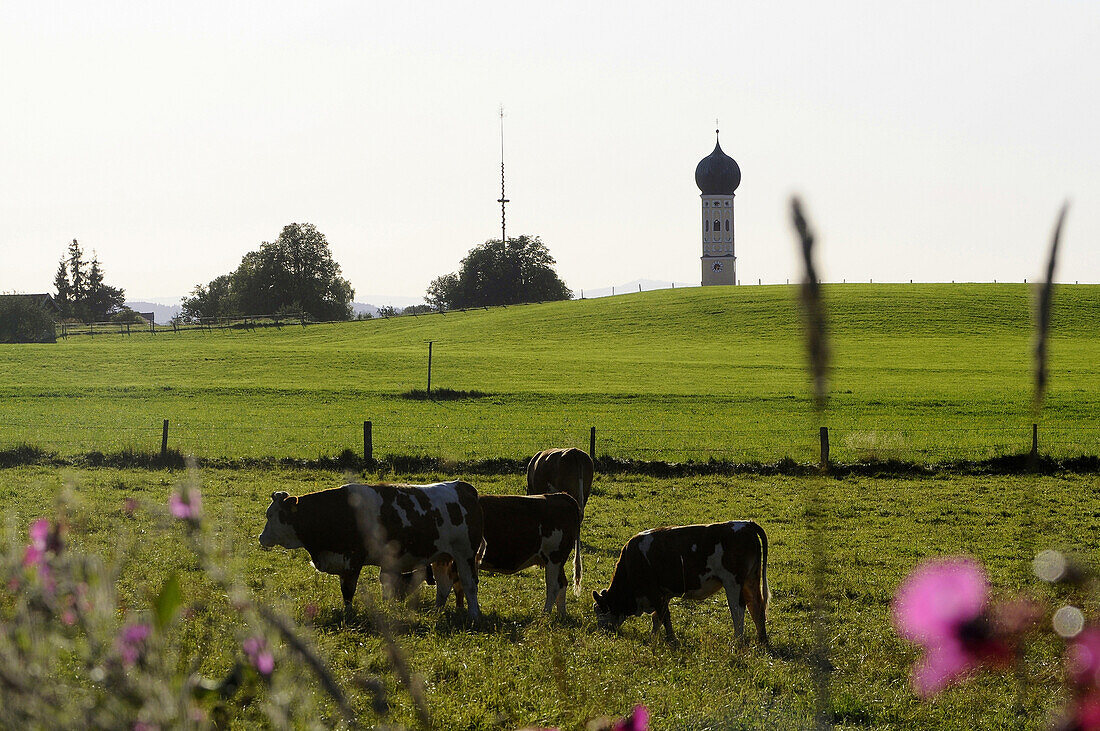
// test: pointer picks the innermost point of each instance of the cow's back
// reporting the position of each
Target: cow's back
(561, 470)
(678, 560)
(423, 521)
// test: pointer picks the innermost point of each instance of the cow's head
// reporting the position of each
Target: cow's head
(608, 614)
(279, 530)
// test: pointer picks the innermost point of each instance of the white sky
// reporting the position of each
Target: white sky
(930, 140)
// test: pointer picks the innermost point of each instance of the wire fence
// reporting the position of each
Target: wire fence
(374, 439)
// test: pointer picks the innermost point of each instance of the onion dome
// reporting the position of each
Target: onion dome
(717, 173)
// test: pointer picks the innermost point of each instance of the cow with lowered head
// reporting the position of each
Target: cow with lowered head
(396, 527)
(693, 562)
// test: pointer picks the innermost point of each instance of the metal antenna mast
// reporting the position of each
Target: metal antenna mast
(502, 200)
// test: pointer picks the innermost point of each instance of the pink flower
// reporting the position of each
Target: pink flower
(636, 721)
(1083, 658)
(35, 552)
(39, 533)
(258, 654)
(130, 643)
(185, 503)
(1083, 673)
(942, 607)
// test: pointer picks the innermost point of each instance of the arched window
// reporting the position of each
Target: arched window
(727, 224)
(717, 225)
(706, 225)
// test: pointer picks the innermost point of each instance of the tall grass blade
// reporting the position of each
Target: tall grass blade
(813, 313)
(1042, 314)
(813, 310)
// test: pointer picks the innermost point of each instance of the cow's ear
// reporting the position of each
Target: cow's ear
(292, 503)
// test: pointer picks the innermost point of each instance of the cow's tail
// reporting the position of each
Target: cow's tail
(481, 552)
(766, 592)
(577, 569)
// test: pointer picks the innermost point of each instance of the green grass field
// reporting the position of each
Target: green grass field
(921, 372)
(522, 669)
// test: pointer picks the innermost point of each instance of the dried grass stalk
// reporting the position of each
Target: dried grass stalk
(1042, 312)
(813, 310)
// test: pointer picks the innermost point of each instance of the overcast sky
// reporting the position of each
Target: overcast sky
(932, 141)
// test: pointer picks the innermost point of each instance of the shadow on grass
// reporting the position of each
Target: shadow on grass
(442, 394)
(425, 619)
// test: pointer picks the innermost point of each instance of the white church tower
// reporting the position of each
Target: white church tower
(718, 176)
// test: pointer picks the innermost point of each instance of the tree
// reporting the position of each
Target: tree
(24, 319)
(83, 294)
(498, 273)
(100, 300)
(76, 270)
(64, 298)
(213, 300)
(295, 273)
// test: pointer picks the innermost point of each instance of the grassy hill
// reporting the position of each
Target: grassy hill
(920, 372)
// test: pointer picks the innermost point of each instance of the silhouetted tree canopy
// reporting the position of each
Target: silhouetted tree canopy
(295, 273)
(81, 292)
(26, 319)
(496, 273)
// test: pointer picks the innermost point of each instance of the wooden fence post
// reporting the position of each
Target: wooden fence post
(429, 369)
(824, 434)
(592, 443)
(368, 442)
(164, 440)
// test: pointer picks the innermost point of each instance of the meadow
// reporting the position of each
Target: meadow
(928, 373)
(925, 373)
(520, 668)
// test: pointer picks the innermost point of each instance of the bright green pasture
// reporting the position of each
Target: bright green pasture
(924, 372)
(521, 669)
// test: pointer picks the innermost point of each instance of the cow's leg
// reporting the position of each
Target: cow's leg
(555, 587)
(467, 575)
(394, 585)
(737, 607)
(444, 582)
(349, 578)
(448, 580)
(561, 592)
(754, 598)
(661, 612)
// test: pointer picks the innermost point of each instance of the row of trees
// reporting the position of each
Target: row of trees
(81, 292)
(297, 274)
(294, 273)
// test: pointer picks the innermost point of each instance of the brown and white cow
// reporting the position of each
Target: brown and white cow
(523, 531)
(563, 470)
(693, 562)
(417, 525)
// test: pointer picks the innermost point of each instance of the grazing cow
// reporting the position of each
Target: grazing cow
(692, 561)
(417, 524)
(523, 531)
(562, 470)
